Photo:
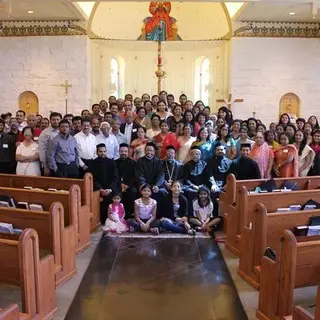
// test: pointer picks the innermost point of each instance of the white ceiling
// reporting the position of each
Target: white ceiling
(277, 11)
(43, 10)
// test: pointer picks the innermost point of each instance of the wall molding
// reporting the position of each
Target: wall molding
(278, 29)
(41, 28)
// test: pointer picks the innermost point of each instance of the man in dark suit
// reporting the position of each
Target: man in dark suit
(105, 179)
(129, 128)
(126, 167)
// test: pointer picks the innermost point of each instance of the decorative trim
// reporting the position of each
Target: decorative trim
(278, 29)
(40, 28)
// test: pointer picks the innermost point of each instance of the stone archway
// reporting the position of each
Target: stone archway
(29, 102)
(290, 103)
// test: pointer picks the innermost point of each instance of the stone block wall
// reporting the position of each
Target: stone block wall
(264, 69)
(40, 64)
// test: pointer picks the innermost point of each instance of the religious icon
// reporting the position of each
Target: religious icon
(160, 26)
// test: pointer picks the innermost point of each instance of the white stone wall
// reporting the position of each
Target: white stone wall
(264, 69)
(39, 64)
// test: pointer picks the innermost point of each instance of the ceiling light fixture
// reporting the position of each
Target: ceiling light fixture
(292, 13)
(30, 12)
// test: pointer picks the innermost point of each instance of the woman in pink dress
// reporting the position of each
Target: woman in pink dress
(115, 221)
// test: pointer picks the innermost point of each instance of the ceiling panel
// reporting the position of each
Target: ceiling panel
(262, 11)
(43, 10)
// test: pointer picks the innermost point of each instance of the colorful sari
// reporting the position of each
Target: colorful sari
(138, 148)
(183, 155)
(169, 140)
(282, 154)
(303, 159)
(261, 155)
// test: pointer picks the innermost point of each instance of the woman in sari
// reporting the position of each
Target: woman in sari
(185, 143)
(263, 155)
(138, 146)
(270, 138)
(175, 118)
(204, 144)
(315, 146)
(162, 110)
(286, 158)
(306, 154)
(188, 118)
(307, 129)
(225, 139)
(164, 139)
(155, 127)
(142, 118)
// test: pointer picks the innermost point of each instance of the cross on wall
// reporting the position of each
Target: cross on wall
(229, 102)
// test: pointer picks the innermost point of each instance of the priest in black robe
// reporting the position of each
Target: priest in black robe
(172, 168)
(149, 170)
(193, 176)
(105, 179)
(128, 187)
(245, 168)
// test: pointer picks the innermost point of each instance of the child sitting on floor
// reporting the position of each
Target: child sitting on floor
(116, 214)
(203, 208)
(145, 210)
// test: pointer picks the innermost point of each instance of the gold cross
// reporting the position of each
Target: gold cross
(229, 102)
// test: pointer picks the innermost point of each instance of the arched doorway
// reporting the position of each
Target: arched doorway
(290, 103)
(29, 102)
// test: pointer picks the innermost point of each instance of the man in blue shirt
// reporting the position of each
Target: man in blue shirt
(63, 159)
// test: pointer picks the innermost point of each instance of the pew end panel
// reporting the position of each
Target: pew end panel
(21, 265)
(232, 222)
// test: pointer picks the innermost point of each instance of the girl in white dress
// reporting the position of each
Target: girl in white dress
(27, 155)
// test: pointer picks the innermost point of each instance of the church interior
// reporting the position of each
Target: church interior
(257, 59)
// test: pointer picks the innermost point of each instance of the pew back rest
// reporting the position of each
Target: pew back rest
(233, 186)
(41, 221)
(272, 201)
(18, 181)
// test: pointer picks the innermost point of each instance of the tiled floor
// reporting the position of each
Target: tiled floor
(158, 279)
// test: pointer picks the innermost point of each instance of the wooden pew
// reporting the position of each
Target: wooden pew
(53, 235)
(12, 313)
(243, 214)
(265, 232)
(88, 196)
(74, 213)
(300, 313)
(297, 265)
(231, 194)
(20, 265)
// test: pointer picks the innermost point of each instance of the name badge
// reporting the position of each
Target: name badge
(134, 130)
(285, 150)
(5, 146)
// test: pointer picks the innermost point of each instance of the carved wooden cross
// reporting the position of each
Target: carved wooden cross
(229, 102)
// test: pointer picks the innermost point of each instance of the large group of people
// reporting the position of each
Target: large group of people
(159, 164)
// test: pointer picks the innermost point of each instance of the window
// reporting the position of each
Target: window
(202, 79)
(115, 78)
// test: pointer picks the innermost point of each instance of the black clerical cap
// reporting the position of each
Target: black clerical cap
(245, 145)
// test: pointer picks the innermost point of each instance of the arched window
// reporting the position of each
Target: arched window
(115, 78)
(202, 79)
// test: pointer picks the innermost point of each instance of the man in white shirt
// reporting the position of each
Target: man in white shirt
(20, 116)
(86, 146)
(109, 140)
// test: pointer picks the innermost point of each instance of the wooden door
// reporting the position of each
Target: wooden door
(29, 102)
(290, 103)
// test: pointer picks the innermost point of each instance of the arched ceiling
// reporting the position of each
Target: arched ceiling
(195, 20)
